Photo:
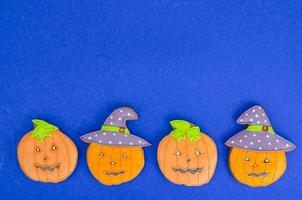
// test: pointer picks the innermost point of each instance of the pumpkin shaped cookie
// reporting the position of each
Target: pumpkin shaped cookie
(187, 156)
(114, 155)
(46, 154)
(257, 157)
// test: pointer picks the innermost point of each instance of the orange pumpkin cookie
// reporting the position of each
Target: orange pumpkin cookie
(115, 156)
(187, 156)
(46, 154)
(257, 157)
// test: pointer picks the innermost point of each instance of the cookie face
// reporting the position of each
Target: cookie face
(186, 156)
(257, 168)
(114, 155)
(46, 154)
(257, 157)
(113, 165)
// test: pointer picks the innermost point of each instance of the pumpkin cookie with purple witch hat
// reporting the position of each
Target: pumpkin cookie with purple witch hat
(257, 156)
(114, 155)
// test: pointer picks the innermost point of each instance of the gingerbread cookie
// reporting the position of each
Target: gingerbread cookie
(46, 154)
(187, 156)
(114, 155)
(257, 156)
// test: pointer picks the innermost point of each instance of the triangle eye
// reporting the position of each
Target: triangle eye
(197, 152)
(266, 160)
(246, 159)
(177, 153)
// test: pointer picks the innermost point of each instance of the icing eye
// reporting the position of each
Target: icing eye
(37, 149)
(246, 159)
(102, 154)
(197, 152)
(54, 147)
(266, 160)
(177, 153)
(124, 156)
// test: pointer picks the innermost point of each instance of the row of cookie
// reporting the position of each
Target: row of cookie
(186, 156)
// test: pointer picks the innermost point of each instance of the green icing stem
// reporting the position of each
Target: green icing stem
(183, 129)
(42, 129)
(259, 128)
(115, 129)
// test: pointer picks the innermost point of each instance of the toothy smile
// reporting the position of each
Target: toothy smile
(190, 170)
(109, 173)
(258, 174)
(47, 167)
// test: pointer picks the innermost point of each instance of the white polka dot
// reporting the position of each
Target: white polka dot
(241, 120)
(252, 143)
(260, 148)
(256, 115)
(253, 110)
(104, 133)
(95, 135)
(276, 148)
(259, 108)
(114, 134)
(89, 138)
(128, 114)
(121, 111)
(245, 146)
(251, 120)
(277, 140)
(120, 119)
(240, 140)
(110, 142)
(263, 114)
(111, 123)
(245, 136)
(269, 143)
(119, 142)
(287, 145)
(100, 141)
(246, 114)
(140, 141)
(111, 117)
(265, 120)
(258, 122)
(267, 136)
(131, 143)
(254, 135)
(259, 141)
(125, 135)
(232, 142)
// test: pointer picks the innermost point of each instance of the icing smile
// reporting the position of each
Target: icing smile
(110, 173)
(47, 167)
(185, 171)
(258, 174)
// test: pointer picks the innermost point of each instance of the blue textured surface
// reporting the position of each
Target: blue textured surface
(73, 62)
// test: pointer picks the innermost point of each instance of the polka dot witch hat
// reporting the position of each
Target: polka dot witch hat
(115, 132)
(259, 135)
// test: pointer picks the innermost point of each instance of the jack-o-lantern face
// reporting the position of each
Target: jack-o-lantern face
(257, 157)
(49, 156)
(113, 165)
(187, 161)
(257, 168)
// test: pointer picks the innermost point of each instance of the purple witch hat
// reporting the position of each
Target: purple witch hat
(259, 135)
(115, 132)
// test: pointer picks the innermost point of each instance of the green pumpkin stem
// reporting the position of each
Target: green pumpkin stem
(42, 129)
(183, 129)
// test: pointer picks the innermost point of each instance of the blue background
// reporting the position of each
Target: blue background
(73, 62)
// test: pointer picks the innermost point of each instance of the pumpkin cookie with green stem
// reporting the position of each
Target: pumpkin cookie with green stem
(257, 156)
(46, 154)
(187, 156)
